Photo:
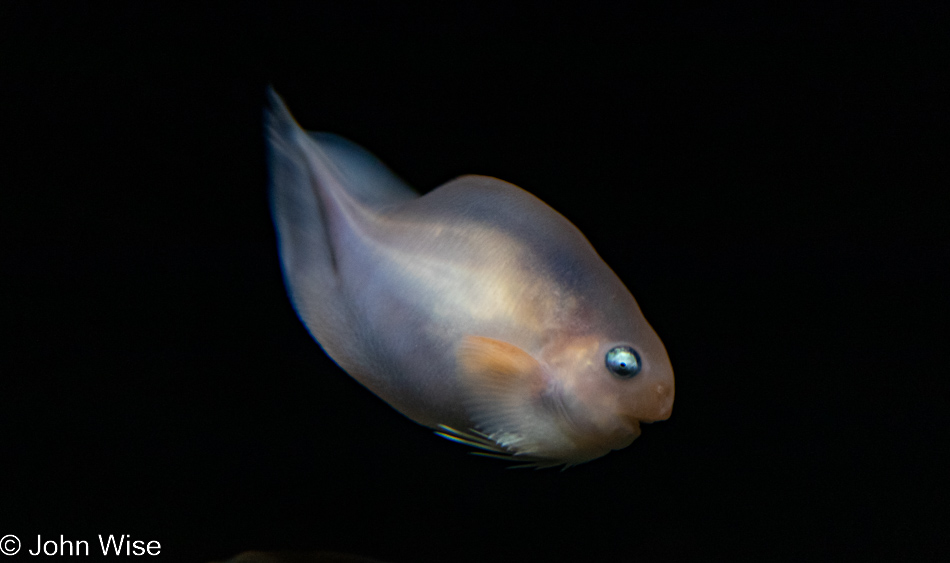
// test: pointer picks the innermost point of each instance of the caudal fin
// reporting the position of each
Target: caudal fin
(321, 185)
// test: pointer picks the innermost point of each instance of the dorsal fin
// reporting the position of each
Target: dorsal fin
(354, 170)
(361, 174)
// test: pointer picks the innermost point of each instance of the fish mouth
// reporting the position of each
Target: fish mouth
(630, 432)
(633, 425)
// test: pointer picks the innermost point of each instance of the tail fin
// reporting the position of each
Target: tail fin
(316, 181)
(304, 242)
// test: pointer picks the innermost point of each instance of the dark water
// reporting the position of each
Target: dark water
(768, 184)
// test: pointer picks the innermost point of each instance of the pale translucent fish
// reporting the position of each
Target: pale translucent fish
(475, 310)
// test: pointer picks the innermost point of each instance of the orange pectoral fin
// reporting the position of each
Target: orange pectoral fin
(503, 386)
(486, 363)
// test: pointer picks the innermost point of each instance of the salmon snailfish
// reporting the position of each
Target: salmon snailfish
(475, 310)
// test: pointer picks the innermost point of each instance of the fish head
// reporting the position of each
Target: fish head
(581, 396)
(605, 387)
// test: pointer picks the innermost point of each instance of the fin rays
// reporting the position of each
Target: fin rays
(472, 438)
(490, 448)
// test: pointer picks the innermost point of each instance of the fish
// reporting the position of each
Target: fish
(475, 310)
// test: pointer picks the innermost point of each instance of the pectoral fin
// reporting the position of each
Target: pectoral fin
(495, 368)
(505, 386)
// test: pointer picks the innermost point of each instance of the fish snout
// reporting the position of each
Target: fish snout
(656, 403)
(660, 404)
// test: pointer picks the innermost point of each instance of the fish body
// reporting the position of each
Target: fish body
(475, 310)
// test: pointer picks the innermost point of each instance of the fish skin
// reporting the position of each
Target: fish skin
(475, 306)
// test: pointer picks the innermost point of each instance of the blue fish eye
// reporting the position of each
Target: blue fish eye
(623, 361)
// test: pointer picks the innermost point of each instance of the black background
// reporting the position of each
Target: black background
(768, 182)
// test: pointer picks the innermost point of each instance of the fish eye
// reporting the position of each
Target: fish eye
(624, 362)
